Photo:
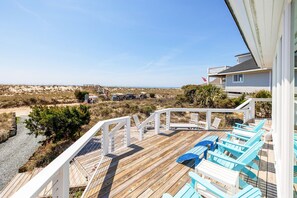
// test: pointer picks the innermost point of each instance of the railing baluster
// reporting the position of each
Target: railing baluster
(208, 120)
(168, 120)
(111, 143)
(127, 131)
(60, 183)
(105, 139)
(252, 109)
(157, 123)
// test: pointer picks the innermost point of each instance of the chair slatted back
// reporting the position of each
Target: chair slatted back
(255, 138)
(216, 123)
(250, 153)
(194, 118)
(259, 125)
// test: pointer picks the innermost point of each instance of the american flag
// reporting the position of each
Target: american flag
(204, 79)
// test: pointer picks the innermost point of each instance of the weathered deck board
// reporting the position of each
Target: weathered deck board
(147, 172)
(149, 169)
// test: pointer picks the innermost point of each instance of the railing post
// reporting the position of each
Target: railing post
(168, 119)
(111, 143)
(245, 116)
(140, 134)
(208, 120)
(252, 109)
(105, 139)
(60, 183)
(127, 131)
(157, 122)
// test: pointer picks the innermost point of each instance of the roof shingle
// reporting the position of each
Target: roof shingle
(244, 66)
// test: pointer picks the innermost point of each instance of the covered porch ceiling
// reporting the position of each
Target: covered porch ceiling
(258, 22)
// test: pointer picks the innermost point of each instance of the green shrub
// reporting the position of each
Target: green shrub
(190, 92)
(263, 109)
(152, 95)
(210, 96)
(147, 110)
(80, 95)
(57, 123)
(239, 100)
(262, 94)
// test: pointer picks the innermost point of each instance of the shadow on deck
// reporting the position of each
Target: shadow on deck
(148, 168)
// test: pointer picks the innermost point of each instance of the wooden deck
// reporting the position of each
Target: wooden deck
(148, 168)
(145, 169)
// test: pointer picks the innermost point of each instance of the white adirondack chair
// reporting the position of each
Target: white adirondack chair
(215, 124)
(194, 118)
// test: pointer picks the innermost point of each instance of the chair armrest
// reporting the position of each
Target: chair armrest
(166, 195)
(211, 188)
(201, 122)
(224, 158)
(244, 133)
(242, 125)
(226, 147)
(233, 143)
(237, 136)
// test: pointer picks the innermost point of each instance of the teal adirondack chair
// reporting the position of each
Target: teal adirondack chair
(249, 128)
(247, 131)
(295, 152)
(239, 163)
(188, 191)
(244, 143)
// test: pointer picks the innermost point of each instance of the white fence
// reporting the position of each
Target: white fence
(57, 171)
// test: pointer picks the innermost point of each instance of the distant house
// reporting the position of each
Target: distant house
(244, 77)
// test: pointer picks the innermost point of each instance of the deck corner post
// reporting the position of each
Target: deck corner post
(168, 119)
(157, 122)
(245, 115)
(252, 109)
(127, 131)
(105, 139)
(60, 182)
(140, 134)
(208, 120)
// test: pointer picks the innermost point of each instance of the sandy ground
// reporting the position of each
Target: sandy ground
(23, 111)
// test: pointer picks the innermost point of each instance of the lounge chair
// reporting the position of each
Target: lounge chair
(215, 124)
(199, 149)
(241, 143)
(194, 154)
(194, 118)
(188, 191)
(192, 125)
(247, 131)
(240, 162)
(212, 139)
(295, 153)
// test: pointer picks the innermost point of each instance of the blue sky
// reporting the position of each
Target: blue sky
(156, 43)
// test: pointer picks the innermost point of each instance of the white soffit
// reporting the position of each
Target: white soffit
(259, 22)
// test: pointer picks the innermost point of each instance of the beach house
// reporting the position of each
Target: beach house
(244, 77)
(148, 168)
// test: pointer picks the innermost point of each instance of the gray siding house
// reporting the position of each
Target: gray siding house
(244, 77)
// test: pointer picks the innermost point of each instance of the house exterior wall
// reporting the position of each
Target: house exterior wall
(251, 82)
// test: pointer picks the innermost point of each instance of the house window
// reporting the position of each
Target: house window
(238, 78)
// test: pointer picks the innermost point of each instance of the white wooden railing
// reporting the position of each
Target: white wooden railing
(250, 104)
(208, 112)
(57, 171)
(215, 70)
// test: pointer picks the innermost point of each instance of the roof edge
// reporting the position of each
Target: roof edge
(238, 26)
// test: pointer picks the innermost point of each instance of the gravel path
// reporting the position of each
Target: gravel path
(15, 152)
